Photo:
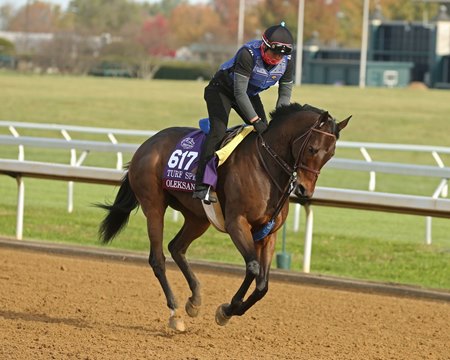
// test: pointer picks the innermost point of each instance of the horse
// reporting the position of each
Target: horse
(252, 188)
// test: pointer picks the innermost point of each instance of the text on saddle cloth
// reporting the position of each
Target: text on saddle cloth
(179, 172)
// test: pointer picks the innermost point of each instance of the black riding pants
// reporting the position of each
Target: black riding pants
(219, 104)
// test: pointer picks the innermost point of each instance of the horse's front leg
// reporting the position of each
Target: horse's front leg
(239, 231)
(264, 250)
(225, 311)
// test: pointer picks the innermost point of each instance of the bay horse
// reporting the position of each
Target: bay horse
(252, 189)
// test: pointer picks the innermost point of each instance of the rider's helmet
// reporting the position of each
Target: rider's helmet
(278, 39)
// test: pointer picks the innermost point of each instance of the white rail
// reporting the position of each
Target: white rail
(407, 204)
(73, 128)
(363, 147)
(67, 132)
(114, 146)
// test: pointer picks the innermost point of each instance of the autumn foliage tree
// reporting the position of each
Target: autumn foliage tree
(36, 17)
(194, 23)
(104, 16)
(154, 36)
(155, 29)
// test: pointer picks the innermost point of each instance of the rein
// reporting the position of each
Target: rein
(291, 171)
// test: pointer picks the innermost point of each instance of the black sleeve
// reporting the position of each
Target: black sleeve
(244, 62)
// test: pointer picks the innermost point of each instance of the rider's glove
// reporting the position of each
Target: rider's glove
(260, 126)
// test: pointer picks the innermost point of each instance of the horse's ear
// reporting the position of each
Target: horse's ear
(343, 123)
(323, 118)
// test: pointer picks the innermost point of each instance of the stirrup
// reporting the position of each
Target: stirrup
(204, 195)
(208, 197)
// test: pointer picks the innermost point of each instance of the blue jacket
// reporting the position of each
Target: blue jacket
(260, 78)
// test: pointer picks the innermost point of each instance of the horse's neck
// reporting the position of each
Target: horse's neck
(276, 160)
(280, 139)
(280, 142)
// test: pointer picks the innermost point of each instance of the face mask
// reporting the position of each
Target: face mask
(269, 60)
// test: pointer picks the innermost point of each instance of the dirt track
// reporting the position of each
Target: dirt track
(59, 307)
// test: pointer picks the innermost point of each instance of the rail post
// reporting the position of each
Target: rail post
(308, 238)
(20, 207)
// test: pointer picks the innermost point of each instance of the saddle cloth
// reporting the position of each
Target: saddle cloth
(179, 172)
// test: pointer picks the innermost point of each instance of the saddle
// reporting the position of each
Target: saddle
(229, 134)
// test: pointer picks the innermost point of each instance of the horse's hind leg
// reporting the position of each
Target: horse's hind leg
(157, 261)
(192, 229)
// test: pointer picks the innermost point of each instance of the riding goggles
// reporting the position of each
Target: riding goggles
(277, 47)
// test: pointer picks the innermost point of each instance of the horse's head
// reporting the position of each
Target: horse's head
(312, 151)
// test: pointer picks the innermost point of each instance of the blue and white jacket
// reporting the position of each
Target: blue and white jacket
(260, 78)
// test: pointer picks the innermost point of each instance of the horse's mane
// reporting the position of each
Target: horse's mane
(282, 112)
(285, 110)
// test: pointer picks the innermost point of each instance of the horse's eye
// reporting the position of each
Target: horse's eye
(311, 150)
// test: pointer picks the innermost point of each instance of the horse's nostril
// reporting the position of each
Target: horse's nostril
(301, 193)
(301, 190)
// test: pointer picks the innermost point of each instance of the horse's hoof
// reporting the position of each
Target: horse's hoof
(221, 318)
(191, 309)
(176, 323)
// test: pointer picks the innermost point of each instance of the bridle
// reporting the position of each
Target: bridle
(298, 162)
(292, 171)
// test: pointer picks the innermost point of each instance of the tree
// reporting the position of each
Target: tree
(228, 13)
(36, 17)
(6, 47)
(6, 14)
(154, 36)
(319, 17)
(163, 7)
(191, 23)
(407, 10)
(104, 16)
(349, 23)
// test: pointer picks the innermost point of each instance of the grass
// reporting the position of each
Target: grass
(351, 243)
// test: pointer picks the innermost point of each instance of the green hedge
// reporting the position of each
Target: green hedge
(106, 68)
(185, 71)
(6, 47)
(7, 51)
(171, 70)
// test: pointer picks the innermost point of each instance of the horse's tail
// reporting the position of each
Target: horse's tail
(118, 213)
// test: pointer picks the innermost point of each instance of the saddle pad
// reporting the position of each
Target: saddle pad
(179, 173)
(180, 170)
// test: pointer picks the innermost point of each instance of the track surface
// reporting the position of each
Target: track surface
(63, 307)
